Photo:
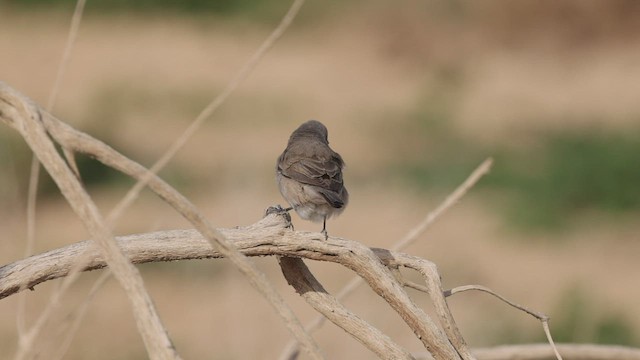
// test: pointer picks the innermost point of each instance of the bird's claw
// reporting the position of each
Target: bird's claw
(279, 210)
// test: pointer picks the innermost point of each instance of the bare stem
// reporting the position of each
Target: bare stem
(544, 319)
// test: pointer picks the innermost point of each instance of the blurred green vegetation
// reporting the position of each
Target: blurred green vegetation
(579, 320)
(108, 109)
(15, 157)
(569, 174)
(94, 174)
(544, 185)
(187, 6)
(254, 10)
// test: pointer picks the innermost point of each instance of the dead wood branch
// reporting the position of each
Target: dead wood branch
(292, 349)
(26, 117)
(33, 123)
(23, 115)
(544, 319)
(269, 236)
(307, 286)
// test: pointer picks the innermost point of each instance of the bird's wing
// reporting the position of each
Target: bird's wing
(323, 170)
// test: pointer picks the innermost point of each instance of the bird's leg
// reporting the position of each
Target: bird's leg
(289, 216)
(324, 228)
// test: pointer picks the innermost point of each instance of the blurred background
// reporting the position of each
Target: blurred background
(415, 95)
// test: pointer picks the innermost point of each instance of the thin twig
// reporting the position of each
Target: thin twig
(32, 195)
(451, 200)
(34, 173)
(412, 285)
(538, 315)
(547, 332)
(66, 55)
(544, 319)
(244, 72)
(77, 314)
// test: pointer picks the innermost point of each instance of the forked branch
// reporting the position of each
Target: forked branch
(40, 129)
(270, 236)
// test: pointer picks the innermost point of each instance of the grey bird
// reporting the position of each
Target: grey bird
(309, 175)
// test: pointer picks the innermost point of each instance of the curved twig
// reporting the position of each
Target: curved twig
(544, 319)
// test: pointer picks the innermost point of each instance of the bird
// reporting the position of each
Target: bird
(309, 175)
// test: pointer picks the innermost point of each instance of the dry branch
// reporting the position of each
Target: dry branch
(23, 115)
(307, 286)
(544, 319)
(153, 333)
(26, 117)
(27, 338)
(292, 349)
(269, 236)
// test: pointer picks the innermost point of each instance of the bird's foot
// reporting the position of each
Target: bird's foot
(326, 234)
(277, 209)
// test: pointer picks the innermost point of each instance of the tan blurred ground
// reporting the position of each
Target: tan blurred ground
(356, 71)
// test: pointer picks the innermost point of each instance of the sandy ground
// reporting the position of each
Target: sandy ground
(352, 75)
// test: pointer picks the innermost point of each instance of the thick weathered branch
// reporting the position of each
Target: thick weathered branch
(432, 279)
(140, 248)
(269, 236)
(307, 286)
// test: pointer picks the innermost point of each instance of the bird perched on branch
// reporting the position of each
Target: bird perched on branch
(309, 175)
